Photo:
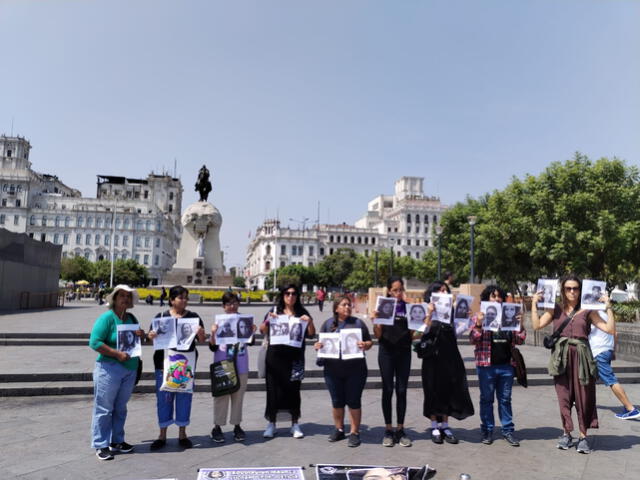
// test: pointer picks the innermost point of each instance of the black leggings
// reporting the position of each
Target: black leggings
(394, 363)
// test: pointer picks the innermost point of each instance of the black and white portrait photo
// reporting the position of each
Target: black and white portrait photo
(186, 330)
(165, 328)
(462, 310)
(226, 331)
(442, 303)
(279, 330)
(297, 328)
(492, 315)
(385, 310)
(330, 345)
(592, 292)
(349, 340)
(511, 316)
(128, 341)
(548, 288)
(417, 314)
(245, 327)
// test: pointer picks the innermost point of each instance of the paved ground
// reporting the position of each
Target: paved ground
(48, 437)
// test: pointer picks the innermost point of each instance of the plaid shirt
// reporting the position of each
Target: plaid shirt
(482, 340)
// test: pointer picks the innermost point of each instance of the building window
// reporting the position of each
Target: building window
(78, 239)
(99, 222)
(87, 239)
(353, 239)
(67, 221)
(311, 250)
(137, 257)
(408, 228)
(294, 250)
(32, 220)
(18, 202)
(89, 222)
(16, 219)
(80, 222)
(399, 242)
(373, 240)
(44, 220)
(281, 263)
(283, 249)
(366, 253)
(366, 240)
(118, 223)
(395, 229)
(8, 153)
(322, 251)
(409, 241)
(426, 229)
(331, 238)
(56, 238)
(146, 260)
(97, 239)
(435, 219)
(107, 239)
(158, 242)
(268, 250)
(2, 217)
(417, 242)
(146, 194)
(4, 202)
(418, 255)
(267, 266)
(331, 251)
(417, 218)
(125, 241)
(139, 225)
(147, 225)
(147, 242)
(65, 239)
(116, 240)
(398, 253)
(138, 242)
(126, 224)
(408, 254)
(170, 195)
(426, 219)
(338, 239)
(359, 239)
(156, 260)
(170, 208)
(408, 218)
(389, 230)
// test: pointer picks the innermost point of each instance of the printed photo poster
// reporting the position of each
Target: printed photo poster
(179, 371)
(385, 310)
(186, 330)
(462, 310)
(279, 330)
(372, 472)
(510, 312)
(349, 338)
(297, 328)
(492, 315)
(549, 289)
(165, 328)
(417, 312)
(244, 330)
(227, 328)
(128, 342)
(330, 345)
(268, 473)
(442, 303)
(592, 290)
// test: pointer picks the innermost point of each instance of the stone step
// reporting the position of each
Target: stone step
(85, 387)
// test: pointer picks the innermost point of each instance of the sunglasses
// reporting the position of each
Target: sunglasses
(289, 294)
(571, 289)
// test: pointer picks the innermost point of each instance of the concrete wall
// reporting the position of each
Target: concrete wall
(29, 272)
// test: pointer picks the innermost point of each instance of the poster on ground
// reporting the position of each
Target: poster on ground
(267, 473)
(372, 472)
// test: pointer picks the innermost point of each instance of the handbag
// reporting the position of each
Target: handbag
(262, 358)
(549, 341)
(427, 347)
(224, 375)
(520, 368)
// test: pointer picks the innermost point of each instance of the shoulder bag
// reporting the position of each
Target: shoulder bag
(224, 375)
(549, 341)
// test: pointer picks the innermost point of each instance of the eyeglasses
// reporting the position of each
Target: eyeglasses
(289, 294)
(571, 289)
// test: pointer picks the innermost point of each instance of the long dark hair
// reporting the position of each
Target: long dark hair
(566, 278)
(434, 288)
(298, 309)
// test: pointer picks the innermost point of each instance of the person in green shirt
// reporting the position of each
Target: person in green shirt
(114, 375)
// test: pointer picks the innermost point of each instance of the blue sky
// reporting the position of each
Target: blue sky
(290, 103)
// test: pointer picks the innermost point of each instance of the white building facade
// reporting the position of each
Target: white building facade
(133, 218)
(404, 222)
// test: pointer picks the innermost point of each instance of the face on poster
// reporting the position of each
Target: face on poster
(349, 338)
(462, 310)
(226, 332)
(165, 328)
(186, 332)
(417, 314)
(279, 330)
(371, 472)
(296, 331)
(385, 310)
(492, 315)
(442, 303)
(592, 292)
(510, 316)
(128, 341)
(548, 287)
(330, 345)
(245, 327)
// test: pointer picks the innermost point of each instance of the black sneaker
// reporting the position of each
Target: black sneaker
(122, 447)
(216, 434)
(104, 454)
(238, 434)
(354, 440)
(487, 438)
(337, 435)
(511, 440)
(402, 439)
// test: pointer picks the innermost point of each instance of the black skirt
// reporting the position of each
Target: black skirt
(444, 379)
(283, 395)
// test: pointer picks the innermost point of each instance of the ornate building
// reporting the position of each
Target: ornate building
(404, 222)
(133, 218)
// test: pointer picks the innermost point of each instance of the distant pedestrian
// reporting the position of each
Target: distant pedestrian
(320, 297)
(163, 296)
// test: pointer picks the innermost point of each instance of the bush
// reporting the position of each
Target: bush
(207, 295)
(626, 311)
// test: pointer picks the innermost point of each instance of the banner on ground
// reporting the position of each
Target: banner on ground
(269, 473)
(372, 472)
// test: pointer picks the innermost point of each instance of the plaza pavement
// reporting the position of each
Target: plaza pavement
(47, 437)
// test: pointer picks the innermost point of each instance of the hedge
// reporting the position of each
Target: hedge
(208, 295)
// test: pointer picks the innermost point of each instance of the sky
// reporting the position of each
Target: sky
(296, 104)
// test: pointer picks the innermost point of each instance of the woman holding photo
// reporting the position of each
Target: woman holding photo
(574, 380)
(394, 359)
(444, 379)
(174, 407)
(114, 375)
(495, 367)
(285, 364)
(345, 379)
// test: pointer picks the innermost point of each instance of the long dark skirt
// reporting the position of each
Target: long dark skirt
(444, 379)
(283, 395)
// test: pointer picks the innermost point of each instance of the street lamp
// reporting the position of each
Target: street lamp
(439, 233)
(472, 221)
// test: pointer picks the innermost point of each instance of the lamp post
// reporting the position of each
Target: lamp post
(439, 233)
(472, 221)
(113, 238)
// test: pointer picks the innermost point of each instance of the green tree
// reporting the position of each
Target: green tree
(239, 282)
(76, 268)
(333, 270)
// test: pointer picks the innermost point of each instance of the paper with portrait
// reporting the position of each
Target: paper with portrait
(549, 289)
(251, 473)
(226, 332)
(510, 312)
(330, 345)
(245, 328)
(372, 472)
(592, 290)
(297, 328)
(165, 328)
(385, 310)
(186, 330)
(179, 371)
(416, 314)
(128, 342)
(442, 303)
(279, 330)
(462, 309)
(349, 338)
(492, 315)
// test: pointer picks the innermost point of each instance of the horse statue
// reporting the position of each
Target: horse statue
(203, 185)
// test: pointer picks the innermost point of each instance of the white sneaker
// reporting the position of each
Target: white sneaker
(270, 432)
(296, 432)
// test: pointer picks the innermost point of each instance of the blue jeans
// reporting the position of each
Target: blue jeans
(497, 381)
(165, 402)
(112, 385)
(605, 371)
